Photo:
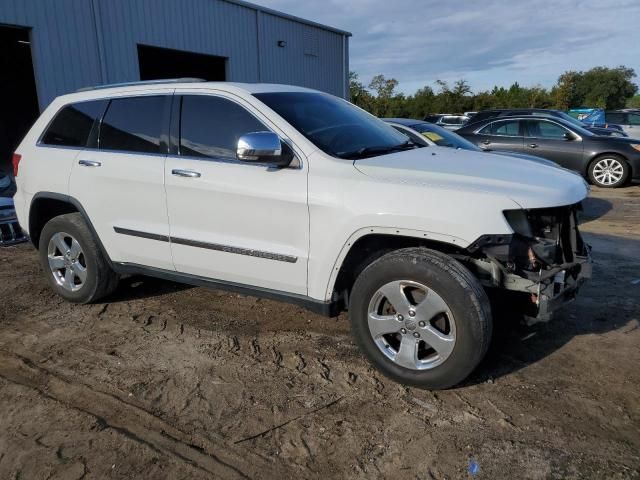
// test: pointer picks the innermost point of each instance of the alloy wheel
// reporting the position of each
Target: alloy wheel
(67, 262)
(608, 171)
(412, 325)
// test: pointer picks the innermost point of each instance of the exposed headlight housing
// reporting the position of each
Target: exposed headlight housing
(519, 222)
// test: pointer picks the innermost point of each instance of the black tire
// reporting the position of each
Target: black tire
(617, 161)
(460, 290)
(100, 279)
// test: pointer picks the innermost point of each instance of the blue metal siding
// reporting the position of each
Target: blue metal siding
(77, 43)
(63, 43)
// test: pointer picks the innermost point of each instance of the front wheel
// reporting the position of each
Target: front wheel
(421, 318)
(609, 171)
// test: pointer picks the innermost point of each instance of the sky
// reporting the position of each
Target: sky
(486, 42)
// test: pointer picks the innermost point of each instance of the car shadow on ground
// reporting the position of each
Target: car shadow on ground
(139, 287)
(614, 286)
(594, 208)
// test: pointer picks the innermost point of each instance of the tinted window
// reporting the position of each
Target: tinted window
(334, 125)
(72, 125)
(452, 120)
(133, 124)
(634, 119)
(211, 126)
(614, 117)
(443, 137)
(546, 130)
(507, 128)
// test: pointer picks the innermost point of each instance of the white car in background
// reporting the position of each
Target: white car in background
(293, 194)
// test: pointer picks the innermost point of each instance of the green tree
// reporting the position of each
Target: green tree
(384, 92)
(634, 102)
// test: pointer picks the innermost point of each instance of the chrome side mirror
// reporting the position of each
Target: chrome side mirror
(263, 147)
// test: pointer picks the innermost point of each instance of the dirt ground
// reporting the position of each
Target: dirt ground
(169, 381)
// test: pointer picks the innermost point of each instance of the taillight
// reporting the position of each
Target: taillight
(16, 161)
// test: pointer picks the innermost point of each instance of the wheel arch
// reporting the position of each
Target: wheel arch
(47, 205)
(368, 244)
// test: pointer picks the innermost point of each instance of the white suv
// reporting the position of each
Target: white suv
(297, 195)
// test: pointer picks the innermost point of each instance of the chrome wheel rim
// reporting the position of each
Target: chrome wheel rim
(608, 171)
(411, 325)
(67, 262)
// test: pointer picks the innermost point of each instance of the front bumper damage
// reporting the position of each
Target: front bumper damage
(545, 262)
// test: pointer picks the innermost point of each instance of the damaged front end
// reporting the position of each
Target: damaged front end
(545, 260)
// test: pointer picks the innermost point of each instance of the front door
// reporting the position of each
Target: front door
(550, 140)
(233, 221)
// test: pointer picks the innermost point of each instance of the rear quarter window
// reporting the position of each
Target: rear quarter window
(73, 123)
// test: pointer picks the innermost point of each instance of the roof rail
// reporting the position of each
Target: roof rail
(143, 82)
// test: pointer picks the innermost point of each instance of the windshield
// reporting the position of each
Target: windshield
(570, 119)
(334, 125)
(443, 137)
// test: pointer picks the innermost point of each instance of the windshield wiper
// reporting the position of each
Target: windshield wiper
(372, 151)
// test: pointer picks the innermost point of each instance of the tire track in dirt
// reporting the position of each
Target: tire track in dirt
(134, 422)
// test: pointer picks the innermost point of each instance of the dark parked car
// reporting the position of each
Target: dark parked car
(598, 129)
(606, 161)
(425, 133)
(629, 120)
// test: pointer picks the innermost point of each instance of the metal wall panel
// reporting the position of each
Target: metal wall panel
(77, 43)
(63, 43)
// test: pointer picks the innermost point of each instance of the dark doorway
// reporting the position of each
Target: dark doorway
(18, 87)
(160, 63)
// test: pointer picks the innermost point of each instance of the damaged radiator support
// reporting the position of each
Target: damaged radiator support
(547, 260)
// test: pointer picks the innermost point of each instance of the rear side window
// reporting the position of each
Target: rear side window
(72, 125)
(507, 128)
(211, 126)
(133, 124)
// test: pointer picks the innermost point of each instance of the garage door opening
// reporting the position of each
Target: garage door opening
(18, 87)
(160, 63)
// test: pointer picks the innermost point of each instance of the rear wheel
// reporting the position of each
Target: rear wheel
(421, 317)
(609, 171)
(73, 262)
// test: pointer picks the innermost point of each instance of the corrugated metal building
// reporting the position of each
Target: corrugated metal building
(51, 47)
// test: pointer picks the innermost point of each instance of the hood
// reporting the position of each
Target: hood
(526, 156)
(529, 184)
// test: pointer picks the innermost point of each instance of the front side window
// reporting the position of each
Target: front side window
(335, 126)
(133, 124)
(211, 126)
(547, 130)
(72, 125)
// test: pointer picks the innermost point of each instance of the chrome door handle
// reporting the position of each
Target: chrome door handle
(486, 142)
(90, 163)
(533, 145)
(185, 173)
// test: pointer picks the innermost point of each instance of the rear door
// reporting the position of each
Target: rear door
(546, 139)
(501, 135)
(119, 180)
